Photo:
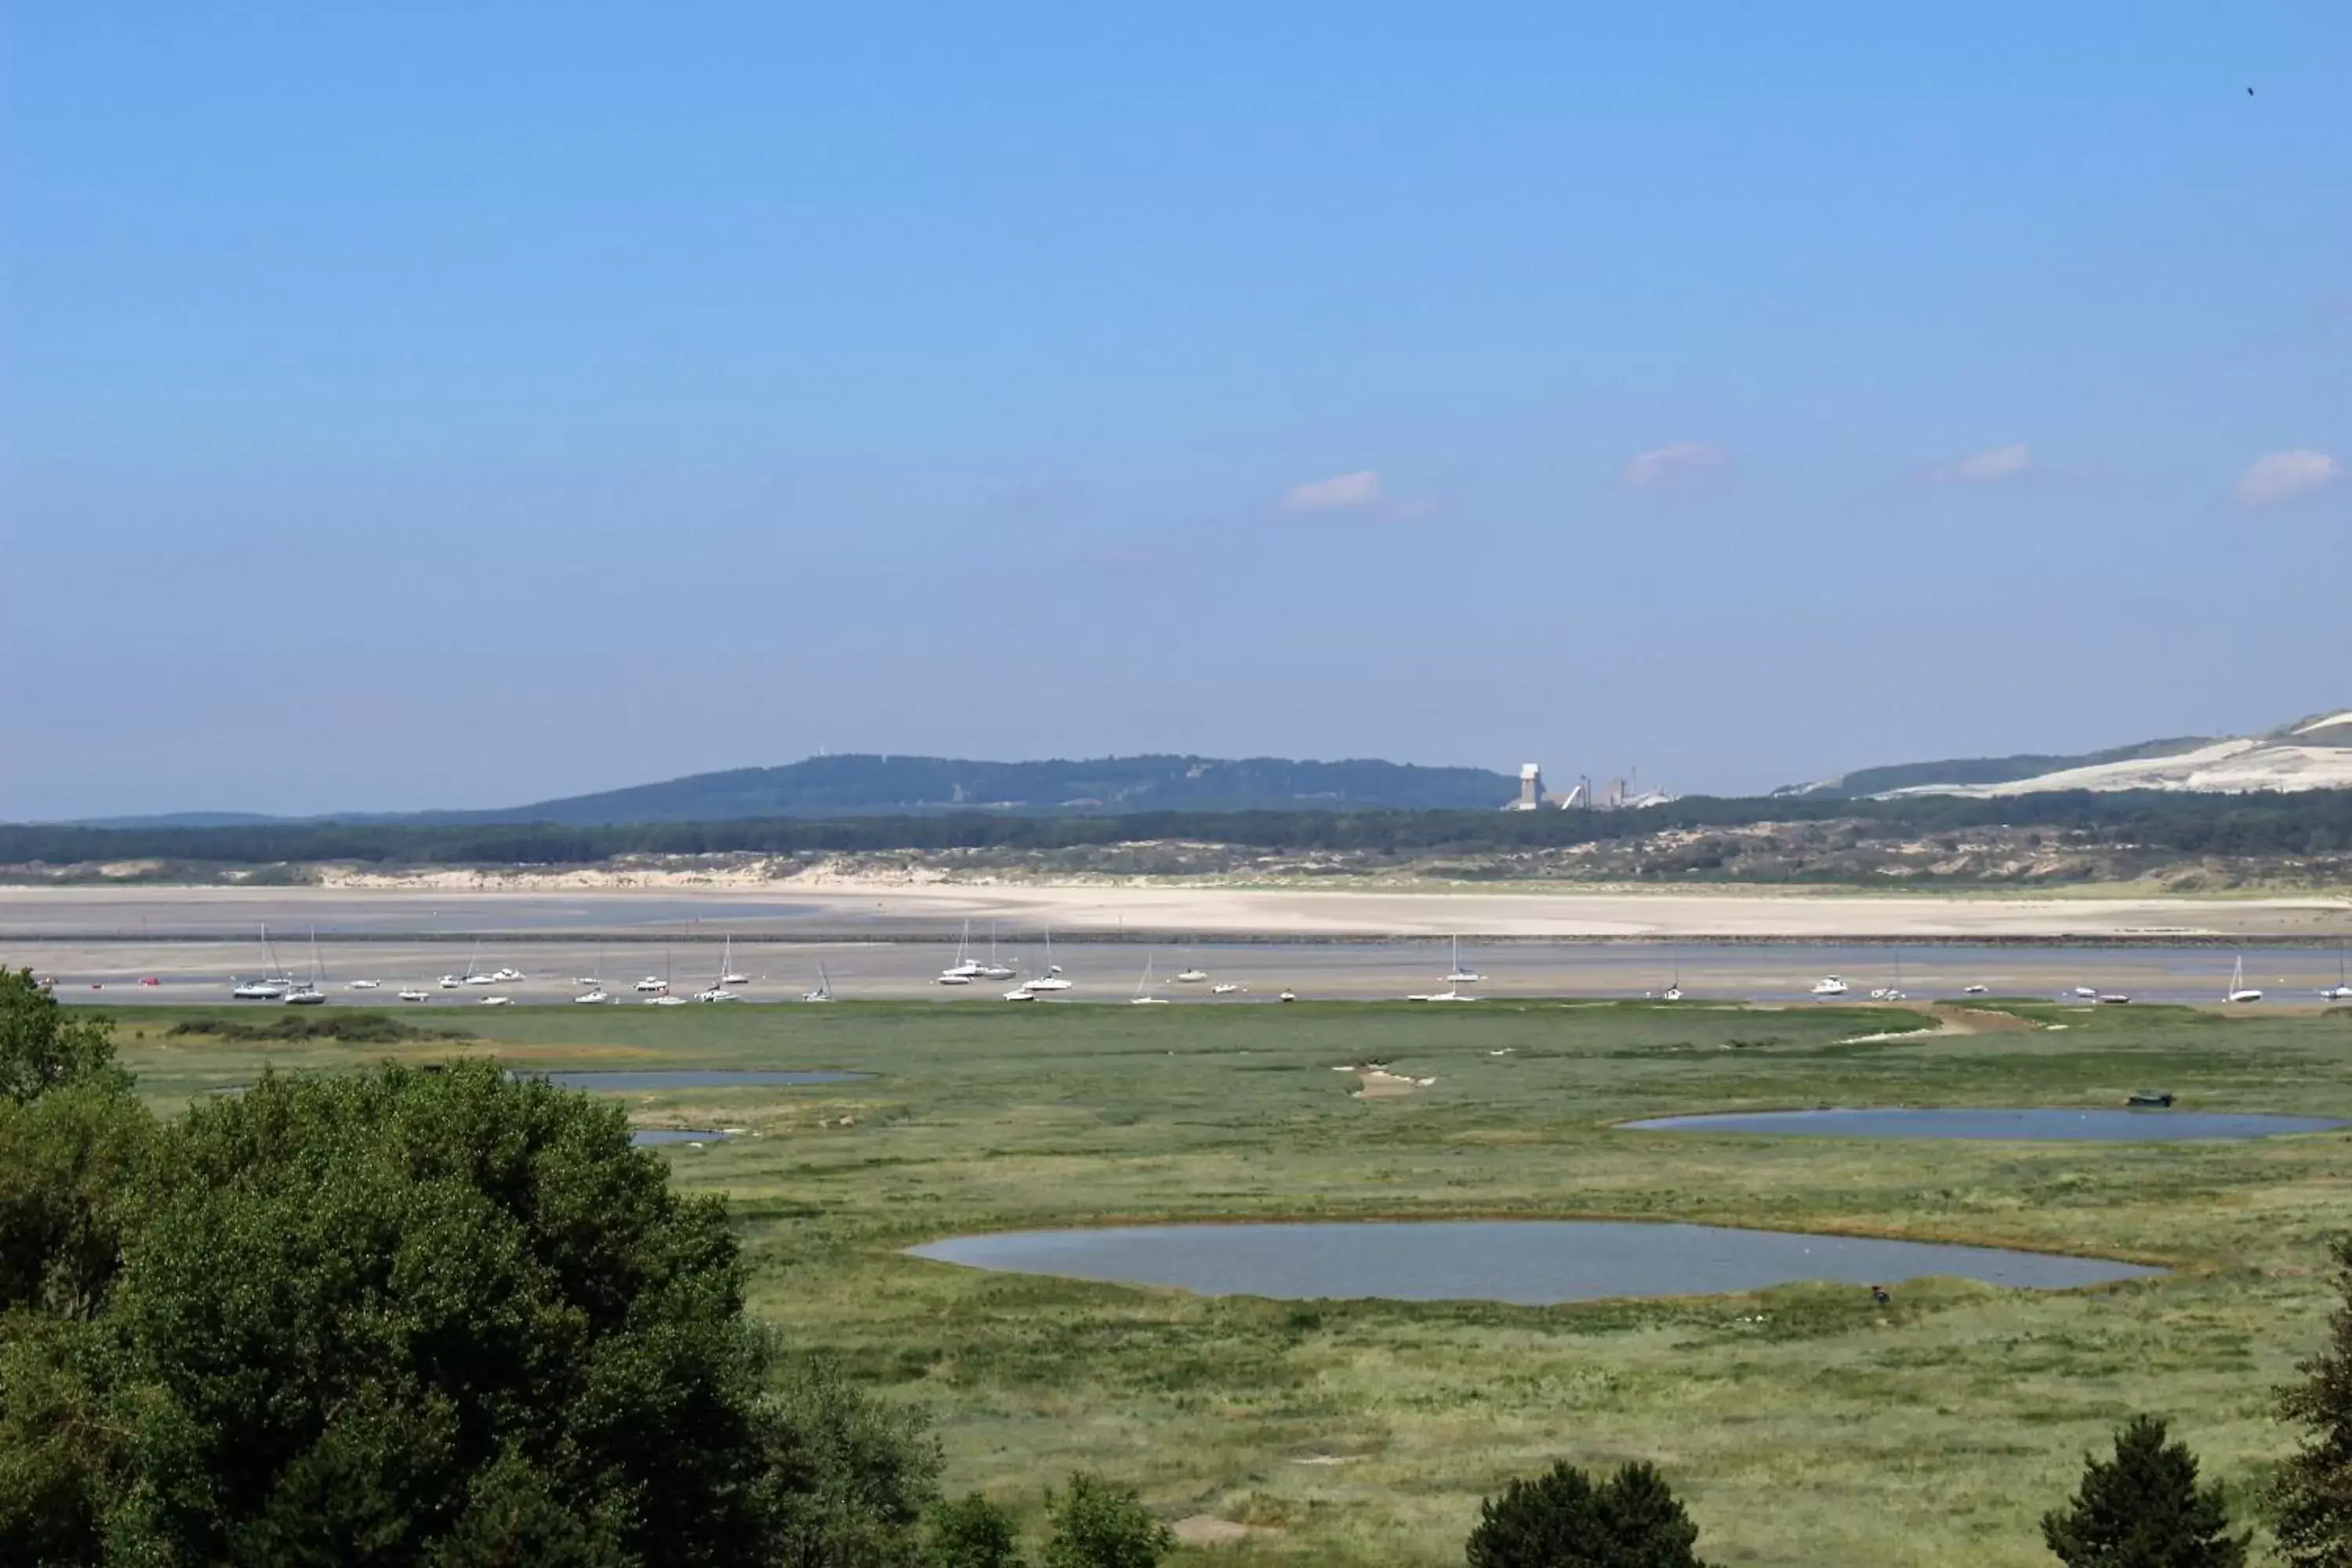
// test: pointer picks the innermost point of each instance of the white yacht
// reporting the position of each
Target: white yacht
(965, 968)
(1225, 988)
(1021, 993)
(309, 994)
(1191, 974)
(274, 983)
(1052, 978)
(1830, 985)
(652, 984)
(2342, 990)
(503, 974)
(593, 995)
(2239, 990)
(823, 992)
(727, 975)
(1458, 974)
(1143, 997)
(665, 1000)
(992, 969)
(450, 982)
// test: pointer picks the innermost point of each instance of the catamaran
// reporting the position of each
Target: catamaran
(2239, 990)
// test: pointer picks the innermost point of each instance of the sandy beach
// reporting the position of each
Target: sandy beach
(567, 903)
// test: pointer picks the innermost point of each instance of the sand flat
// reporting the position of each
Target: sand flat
(897, 908)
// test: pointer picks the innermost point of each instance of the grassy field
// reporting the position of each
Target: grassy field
(1806, 1426)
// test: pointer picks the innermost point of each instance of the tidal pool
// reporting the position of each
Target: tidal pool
(2113, 1126)
(654, 1137)
(635, 1082)
(1532, 1263)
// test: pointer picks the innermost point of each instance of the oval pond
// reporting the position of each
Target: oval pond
(1533, 1263)
(2021, 1125)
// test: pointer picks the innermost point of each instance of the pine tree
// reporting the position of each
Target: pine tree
(2313, 1494)
(2143, 1510)
(1563, 1519)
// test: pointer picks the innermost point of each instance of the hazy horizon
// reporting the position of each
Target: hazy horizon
(461, 409)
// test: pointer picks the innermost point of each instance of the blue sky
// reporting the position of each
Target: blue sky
(454, 405)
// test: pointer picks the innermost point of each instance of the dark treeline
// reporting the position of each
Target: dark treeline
(2316, 822)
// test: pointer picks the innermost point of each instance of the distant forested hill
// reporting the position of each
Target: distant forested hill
(859, 786)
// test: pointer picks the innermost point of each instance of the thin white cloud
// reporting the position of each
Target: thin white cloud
(1990, 467)
(1685, 466)
(1340, 492)
(2282, 477)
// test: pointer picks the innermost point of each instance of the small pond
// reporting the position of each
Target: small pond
(640, 1082)
(1528, 1262)
(654, 1137)
(2045, 1125)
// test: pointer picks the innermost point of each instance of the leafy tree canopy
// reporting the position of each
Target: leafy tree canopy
(1097, 1525)
(431, 1318)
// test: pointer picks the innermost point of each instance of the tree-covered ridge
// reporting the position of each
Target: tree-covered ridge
(862, 784)
(2314, 822)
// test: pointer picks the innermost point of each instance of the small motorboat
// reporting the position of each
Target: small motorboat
(592, 997)
(366, 985)
(148, 980)
(1287, 995)
(2086, 993)
(1974, 990)
(497, 1001)
(1223, 988)
(1830, 985)
(415, 994)
(2150, 1099)
(2113, 999)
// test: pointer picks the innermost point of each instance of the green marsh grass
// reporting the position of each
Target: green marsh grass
(1806, 1426)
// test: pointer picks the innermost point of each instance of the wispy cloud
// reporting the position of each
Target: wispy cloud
(1684, 466)
(1994, 465)
(2278, 478)
(1340, 492)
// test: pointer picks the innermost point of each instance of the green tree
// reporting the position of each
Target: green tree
(41, 1048)
(1097, 1525)
(2313, 1494)
(1564, 1519)
(2143, 1510)
(434, 1317)
(970, 1532)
